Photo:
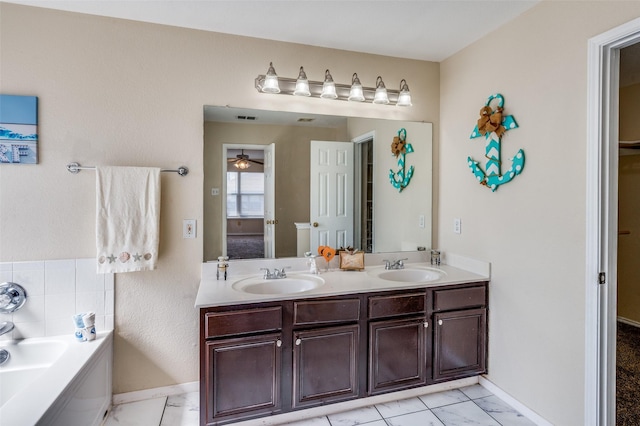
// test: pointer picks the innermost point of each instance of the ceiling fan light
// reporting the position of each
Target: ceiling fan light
(381, 96)
(328, 87)
(242, 164)
(404, 98)
(302, 84)
(356, 94)
(271, 81)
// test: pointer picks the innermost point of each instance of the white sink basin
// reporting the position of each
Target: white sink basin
(410, 275)
(292, 284)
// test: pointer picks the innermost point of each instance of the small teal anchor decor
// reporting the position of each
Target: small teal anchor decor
(400, 148)
(492, 124)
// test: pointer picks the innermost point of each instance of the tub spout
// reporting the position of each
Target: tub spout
(5, 327)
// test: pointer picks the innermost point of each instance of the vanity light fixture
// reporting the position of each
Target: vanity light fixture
(329, 89)
(404, 98)
(271, 81)
(302, 84)
(356, 94)
(381, 96)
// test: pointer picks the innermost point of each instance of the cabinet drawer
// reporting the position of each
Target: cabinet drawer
(326, 311)
(397, 304)
(459, 298)
(218, 324)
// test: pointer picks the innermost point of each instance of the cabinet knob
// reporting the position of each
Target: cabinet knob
(426, 324)
(298, 342)
(439, 322)
(278, 343)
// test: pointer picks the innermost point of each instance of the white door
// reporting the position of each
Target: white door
(270, 221)
(331, 194)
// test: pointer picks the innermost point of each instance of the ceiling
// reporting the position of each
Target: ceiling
(430, 30)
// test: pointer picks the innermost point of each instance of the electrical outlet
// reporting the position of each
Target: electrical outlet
(189, 228)
(215, 191)
(457, 225)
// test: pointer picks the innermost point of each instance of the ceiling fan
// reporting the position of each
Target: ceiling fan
(242, 161)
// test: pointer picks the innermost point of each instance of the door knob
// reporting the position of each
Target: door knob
(315, 224)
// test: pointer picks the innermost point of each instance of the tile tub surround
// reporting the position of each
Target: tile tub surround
(56, 290)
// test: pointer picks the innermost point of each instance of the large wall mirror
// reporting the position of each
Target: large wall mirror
(264, 192)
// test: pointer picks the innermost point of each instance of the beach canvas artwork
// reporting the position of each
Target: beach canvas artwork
(18, 129)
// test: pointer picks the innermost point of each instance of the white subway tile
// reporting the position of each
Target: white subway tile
(59, 280)
(59, 326)
(28, 266)
(59, 306)
(109, 322)
(109, 302)
(26, 330)
(31, 311)
(109, 282)
(31, 279)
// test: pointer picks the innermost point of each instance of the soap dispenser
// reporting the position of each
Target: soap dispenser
(311, 261)
(222, 267)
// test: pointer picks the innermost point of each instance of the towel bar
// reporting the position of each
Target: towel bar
(75, 168)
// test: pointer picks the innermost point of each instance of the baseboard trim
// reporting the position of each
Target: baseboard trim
(517, 405)
(629, 322)
(123, 398)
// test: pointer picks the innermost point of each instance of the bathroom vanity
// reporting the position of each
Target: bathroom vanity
(355, 336)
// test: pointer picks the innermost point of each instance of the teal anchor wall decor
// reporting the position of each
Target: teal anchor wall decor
(400, 148)
(492, 124)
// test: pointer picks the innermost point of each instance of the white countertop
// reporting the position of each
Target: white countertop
(214, 292)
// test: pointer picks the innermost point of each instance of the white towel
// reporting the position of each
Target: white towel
(127, 218)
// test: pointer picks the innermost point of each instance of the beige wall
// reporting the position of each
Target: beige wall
(127, 93)
(532, 229)
(629, 208)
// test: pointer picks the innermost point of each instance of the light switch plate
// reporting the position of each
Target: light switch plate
(189, 228)
(457, 225)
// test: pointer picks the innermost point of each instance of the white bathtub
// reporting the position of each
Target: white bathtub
(56, 381)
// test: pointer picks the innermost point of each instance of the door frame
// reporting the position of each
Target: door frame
(357, 188)
(223, 191)
(603, 74)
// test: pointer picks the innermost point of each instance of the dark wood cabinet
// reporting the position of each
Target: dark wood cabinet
(397, 354)
(325, 365)
(242, 377)
(460, 332)
(268, 358)
(459, 343)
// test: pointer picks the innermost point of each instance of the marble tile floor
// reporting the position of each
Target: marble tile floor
(467, 406)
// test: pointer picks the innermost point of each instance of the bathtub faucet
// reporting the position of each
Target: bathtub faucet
(5, 327)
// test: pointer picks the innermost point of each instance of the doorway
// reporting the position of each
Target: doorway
(603, 79)
(247, 201)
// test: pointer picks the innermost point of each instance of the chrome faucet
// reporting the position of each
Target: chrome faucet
(6, 327)
(276, 274)
(395, 264)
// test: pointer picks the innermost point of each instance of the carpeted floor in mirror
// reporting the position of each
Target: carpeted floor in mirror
(628, 375)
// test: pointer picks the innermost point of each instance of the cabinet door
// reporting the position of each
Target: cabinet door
(325, 365)
(460, 343)
(397, 354)
(242, 377)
